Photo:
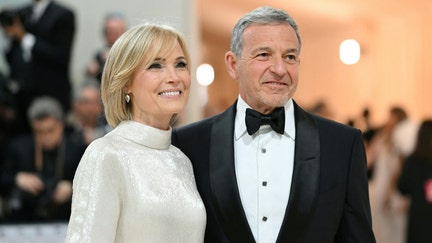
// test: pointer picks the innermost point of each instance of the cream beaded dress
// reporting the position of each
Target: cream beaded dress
(133, 186)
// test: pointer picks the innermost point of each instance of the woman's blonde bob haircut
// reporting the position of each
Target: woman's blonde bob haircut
(137, 48)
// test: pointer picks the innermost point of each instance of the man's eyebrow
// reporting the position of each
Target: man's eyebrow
(289, 50)
(261, 49)
(292, 50)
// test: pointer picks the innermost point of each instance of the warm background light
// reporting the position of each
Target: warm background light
(205, 74)
(349, 51)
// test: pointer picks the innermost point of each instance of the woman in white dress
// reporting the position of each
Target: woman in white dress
(132, 185)
(387, 204)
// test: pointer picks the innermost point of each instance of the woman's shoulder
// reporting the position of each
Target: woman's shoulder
(101, 157)
(102, 149)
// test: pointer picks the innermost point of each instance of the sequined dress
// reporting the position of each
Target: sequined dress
(132, 185)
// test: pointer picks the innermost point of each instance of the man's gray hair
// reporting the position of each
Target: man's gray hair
(115, 15)
(260, 16)
(43, 107)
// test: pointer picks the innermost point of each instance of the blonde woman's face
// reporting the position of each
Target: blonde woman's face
(161, 89)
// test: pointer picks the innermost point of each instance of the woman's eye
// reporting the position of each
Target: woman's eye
(155, 66)
(181, 65)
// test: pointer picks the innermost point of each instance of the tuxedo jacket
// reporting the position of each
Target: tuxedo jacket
(328, 202)
(51, 53)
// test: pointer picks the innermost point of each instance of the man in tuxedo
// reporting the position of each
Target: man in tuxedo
(45, 32)
(17, 79)
(267, 170)
(37, 173)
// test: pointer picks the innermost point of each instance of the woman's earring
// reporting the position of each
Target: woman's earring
(127, 98)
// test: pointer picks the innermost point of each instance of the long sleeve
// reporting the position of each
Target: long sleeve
(96, 197)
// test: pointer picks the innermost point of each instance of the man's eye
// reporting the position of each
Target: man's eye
(181, 65)
(264, 54)
(155, 66)
(291, 58)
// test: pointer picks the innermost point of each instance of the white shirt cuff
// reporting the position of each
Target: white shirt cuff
(27, 44)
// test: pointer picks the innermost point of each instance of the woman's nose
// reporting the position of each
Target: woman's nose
(173, 76)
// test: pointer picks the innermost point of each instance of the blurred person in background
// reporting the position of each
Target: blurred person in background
(385, 157)
(8, 116)
(368, 133)
(322, 108)
(415, 182)
(44, 33)
(38, 169)
(7, 126)
(86, 121)
(114, 25)
(17, 81)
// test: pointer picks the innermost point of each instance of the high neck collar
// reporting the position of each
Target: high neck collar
(144, 135)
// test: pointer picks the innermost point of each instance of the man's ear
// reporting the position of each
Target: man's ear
(231, 64)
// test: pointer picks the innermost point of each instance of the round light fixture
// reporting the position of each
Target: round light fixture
(205, 74)
(349, 51)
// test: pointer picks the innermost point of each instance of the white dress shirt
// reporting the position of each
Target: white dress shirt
(264, 166)
(39, 8)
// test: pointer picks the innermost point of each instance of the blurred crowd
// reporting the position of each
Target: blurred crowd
(46, 124)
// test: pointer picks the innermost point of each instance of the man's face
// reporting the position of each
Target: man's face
(15, 30)
(89, 107)
(267, 70)
(48, 132)
(114, 28)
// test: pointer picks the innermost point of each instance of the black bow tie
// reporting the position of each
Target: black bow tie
(276, 120)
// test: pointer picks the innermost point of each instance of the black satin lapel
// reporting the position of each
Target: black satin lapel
(223, 179)
(304, 187)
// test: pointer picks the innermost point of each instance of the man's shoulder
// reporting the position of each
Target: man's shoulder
(335, 131)
(203, 124)
(207, 122)
(326, 125)
(323, 121)
(60, 9)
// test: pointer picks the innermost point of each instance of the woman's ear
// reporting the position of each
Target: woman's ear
(231, 64)
(127, 89)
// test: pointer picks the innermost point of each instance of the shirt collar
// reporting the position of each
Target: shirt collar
(240, 124)
(39, 8)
